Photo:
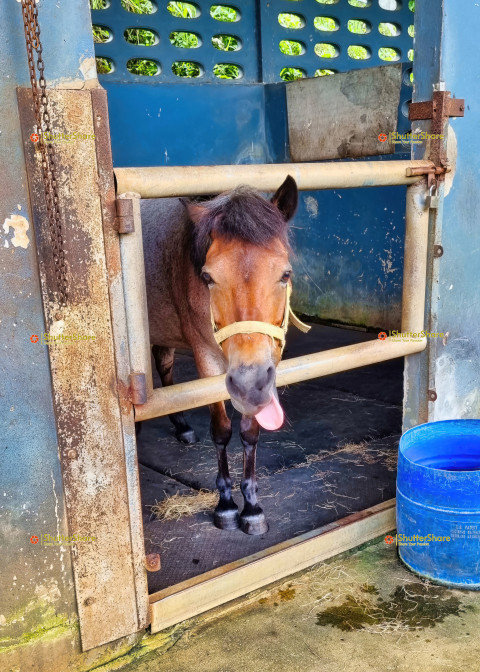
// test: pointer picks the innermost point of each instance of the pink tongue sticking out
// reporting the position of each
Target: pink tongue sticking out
(271, 417)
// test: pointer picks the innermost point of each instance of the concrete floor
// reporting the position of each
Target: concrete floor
(361, 612)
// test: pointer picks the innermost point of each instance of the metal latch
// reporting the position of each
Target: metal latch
(439, 109)
(137, 387)
(124, 220)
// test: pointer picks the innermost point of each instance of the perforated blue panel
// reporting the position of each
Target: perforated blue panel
(341, 38)
(117, 20)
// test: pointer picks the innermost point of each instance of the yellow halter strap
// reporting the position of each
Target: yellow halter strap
(254, 327)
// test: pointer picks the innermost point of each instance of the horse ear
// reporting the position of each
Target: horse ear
(195, 210)
(286, 198)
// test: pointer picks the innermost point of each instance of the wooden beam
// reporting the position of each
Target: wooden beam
(204, 592)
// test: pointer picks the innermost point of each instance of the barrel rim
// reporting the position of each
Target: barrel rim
(458, 421)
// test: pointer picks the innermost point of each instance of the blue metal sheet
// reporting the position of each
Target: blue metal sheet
(164, 53)
(272, 33)
(183, 125)
(34, 580)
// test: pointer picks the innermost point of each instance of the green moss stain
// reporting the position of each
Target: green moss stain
(287, 594)
(51, 625)
(147, 647)
(414, 605)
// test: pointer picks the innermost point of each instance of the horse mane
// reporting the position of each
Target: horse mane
(241, 214)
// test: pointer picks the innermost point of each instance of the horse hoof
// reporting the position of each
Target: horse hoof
(188, 437)
(226, 519)
(254, 524)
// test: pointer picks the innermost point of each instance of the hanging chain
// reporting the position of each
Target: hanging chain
(43, 123)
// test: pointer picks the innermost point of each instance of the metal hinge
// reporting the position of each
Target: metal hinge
(124, 222)
(137, 384)
(439, 109)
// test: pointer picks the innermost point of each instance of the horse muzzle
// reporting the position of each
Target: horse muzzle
(251, 387)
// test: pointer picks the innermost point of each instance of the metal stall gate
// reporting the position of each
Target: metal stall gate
(243, 120)
(206, 591)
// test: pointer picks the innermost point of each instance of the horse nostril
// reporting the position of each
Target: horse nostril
(265, 378)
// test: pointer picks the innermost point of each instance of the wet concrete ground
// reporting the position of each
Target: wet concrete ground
(361, 612)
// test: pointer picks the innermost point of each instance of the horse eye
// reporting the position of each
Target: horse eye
(207, 278)
(286, 276)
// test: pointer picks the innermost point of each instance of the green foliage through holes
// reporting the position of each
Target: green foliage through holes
(224, 13)
(138, 6)
(227, 71)
(182, 10)
(325, 23)
(291, 21)
(184, 40)
(226, 42)
(358, 27)
(104, 65)
(289, 74)
(140, 36)
(325, 50)
(143, 66)
(186, 69)
(291, 48)
(358, 52)
(101, 34)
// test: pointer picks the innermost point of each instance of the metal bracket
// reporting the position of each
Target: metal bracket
(137, 387)
(124, 222)
(439, 109)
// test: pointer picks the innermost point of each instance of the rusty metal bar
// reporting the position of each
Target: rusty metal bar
(415, 258)
(209, 390)
(170, 181)
(133, 265)
(120, 346)
(205, 391)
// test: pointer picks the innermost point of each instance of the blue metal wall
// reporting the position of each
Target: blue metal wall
(448, 33)
(350, 243)
(35, 581)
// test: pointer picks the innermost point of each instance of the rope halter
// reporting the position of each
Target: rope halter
(254, 327)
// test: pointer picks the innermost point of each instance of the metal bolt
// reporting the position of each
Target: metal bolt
(72, 454)
(432, 395)
(152, 562)
(437, 251)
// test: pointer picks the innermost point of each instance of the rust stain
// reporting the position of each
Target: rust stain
(83, 374)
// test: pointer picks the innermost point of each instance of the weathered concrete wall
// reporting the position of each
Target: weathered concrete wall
(446, 34)
(38, 619)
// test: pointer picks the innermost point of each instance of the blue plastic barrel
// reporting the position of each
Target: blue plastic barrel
(438, 502)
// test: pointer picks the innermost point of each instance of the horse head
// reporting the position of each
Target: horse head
(240, 249)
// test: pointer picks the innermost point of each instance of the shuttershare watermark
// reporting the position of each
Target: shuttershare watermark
(396, 138)
(415, 336)
(55, 339)
(49, 137)
(59, 539)
(414, 539)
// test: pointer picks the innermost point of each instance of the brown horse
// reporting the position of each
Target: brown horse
(221, 262)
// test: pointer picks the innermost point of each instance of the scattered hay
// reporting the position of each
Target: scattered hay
(178, 506)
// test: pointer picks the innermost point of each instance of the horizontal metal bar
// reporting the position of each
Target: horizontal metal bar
(169, 181)
(205, 391)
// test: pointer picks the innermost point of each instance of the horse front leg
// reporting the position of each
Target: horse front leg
(252, 518)
(226, 512)
(164, 360)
